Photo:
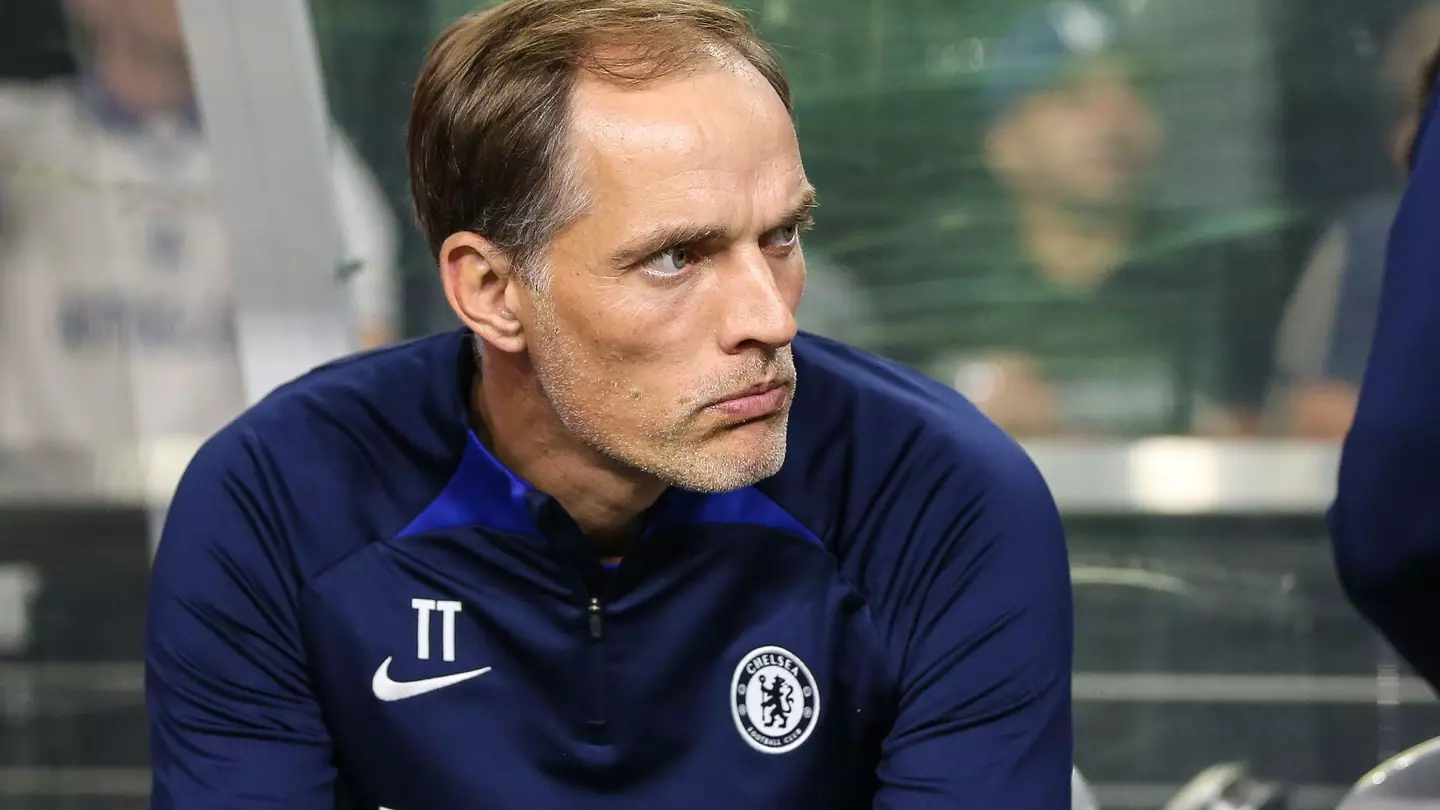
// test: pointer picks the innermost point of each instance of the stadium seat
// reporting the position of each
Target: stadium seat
(1080, 796)
(1407, 781)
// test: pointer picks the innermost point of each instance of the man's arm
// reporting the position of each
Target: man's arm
(1311, 403)
(233, 721)
(1386, 518)
(984, 703)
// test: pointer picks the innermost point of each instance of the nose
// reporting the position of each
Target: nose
(760, 300)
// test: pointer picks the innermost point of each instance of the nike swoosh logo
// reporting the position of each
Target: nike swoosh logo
(388, 690)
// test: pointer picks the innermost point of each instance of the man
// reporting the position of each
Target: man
(624, 540)
(115, 305)
(1385, 521)
(1324, 339)
(1069, 305)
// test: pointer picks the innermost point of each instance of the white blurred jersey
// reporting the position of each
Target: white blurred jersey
(115, 309)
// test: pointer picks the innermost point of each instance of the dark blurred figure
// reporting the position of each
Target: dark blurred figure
(1083, 309)
(1326, 332)
(1385, 522)
(34, 41)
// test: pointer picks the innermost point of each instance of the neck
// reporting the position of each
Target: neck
(515, 419)
(1074, 248)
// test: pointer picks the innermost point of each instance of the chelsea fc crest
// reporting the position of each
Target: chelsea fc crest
(774, 700)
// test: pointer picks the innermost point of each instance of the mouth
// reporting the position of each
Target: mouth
(756, 402)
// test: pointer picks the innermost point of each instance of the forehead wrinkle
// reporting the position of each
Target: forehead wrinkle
(620, 152)
(617, 159)
(623, 121)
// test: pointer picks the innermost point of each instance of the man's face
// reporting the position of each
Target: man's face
(155, 23)
(139, 50)
(673, 297)
(1089, 142)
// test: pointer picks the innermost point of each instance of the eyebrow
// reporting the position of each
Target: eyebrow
(663, 236)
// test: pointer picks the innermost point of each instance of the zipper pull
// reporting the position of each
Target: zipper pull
(595, 617)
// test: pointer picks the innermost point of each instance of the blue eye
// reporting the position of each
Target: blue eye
(671, 261)
(784, 236)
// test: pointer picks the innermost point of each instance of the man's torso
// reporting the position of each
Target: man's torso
(449, 637)
(722, 665)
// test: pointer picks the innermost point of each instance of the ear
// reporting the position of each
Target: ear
(482, 290)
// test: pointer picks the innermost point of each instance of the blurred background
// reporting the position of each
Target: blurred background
(1145, 236)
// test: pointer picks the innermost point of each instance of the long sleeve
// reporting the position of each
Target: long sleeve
(234, 723)
(1385, 522)
(984, 715)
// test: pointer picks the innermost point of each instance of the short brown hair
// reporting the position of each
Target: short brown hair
(489, 120)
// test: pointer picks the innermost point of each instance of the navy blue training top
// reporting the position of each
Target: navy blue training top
(356, 606)
(1386, 518)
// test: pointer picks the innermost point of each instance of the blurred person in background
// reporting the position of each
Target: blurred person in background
(1385, 522)
(1085, 310)
(1325, 335)
(115, 312)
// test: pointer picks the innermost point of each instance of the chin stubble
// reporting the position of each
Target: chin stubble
(664, 445)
